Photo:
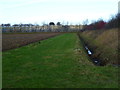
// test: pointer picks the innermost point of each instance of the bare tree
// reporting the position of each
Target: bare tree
(58, 23)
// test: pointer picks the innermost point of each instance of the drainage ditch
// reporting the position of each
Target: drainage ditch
(96, 61)
(90, 53)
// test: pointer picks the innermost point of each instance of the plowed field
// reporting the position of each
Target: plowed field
(10, 41)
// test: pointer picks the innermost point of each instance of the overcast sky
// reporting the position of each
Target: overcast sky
(72, 11)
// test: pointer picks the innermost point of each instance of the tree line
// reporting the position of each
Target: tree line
(51, 27)
(114, 22)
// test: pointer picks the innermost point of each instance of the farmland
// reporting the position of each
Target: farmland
(59, 44)
(58, 62)
(15, 40)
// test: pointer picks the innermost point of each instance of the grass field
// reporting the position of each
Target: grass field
(58, 62)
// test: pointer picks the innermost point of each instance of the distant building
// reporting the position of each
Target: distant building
(119, 7)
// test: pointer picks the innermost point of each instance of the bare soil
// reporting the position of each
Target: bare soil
(11, 41)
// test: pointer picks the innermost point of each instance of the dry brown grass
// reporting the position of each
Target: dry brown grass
(104, 43)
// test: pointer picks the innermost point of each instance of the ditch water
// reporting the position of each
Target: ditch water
(94, 60)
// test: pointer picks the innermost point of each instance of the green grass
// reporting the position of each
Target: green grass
(55, 63)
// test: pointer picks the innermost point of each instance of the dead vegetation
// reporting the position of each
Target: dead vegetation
(104, 44)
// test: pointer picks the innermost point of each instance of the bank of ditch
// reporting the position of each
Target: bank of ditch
(103, 45)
